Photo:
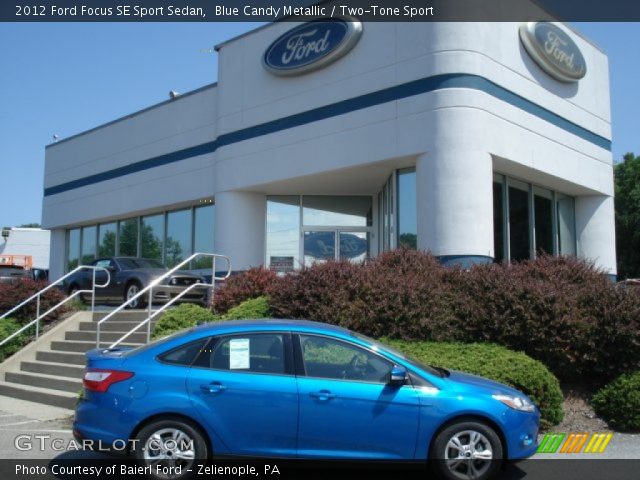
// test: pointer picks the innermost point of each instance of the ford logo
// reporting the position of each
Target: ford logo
(312, 45)
(552, 49)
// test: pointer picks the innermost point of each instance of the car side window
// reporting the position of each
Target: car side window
(256, 353)
(329, 358)
(183, 355)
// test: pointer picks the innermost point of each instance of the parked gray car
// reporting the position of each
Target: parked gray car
(129, 275)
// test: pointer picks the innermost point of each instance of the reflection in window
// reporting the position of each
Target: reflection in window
(88, 244)
(283, 233)
(319, 247)
(336, 211)
(498, 218)
(543, 214)
(519, 221)
(107, 240)
(203, 235)
(386, 214)
(152, 236)
(73, 248)
(407, 215)
(354, 246)
(178, 246)
(128, 241)
(566, 225)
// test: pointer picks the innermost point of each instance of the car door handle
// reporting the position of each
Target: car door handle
(213, 387)
(323, 395)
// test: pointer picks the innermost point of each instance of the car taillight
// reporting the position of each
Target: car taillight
(98, 380)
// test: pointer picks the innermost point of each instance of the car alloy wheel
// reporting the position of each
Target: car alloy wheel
(468, 454)
(132, 291)
(169, 447)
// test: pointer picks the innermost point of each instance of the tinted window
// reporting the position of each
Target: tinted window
(133, 263)
(259, 353)
(183, 355)
(327, 358)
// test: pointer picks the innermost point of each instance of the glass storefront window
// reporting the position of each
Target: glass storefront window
(283, 233)
(178, 242)
(354, 246)
(73, 248)
(543, 214)
(152, 236)
(128, 238)
(519, 244)
(336, 211)
(88, 244)
(498, 218)
(566, 224)
(319, 246)
(203, 235)
(107, 240)
(407, 215)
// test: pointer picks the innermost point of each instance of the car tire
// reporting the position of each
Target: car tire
(73, 289)
(466, 449)
(153, 446)
(132, 289)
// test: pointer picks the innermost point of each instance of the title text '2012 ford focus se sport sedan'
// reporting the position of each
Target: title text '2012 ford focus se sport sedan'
(298, 389)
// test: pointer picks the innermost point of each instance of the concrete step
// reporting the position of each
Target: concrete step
(122, 316)
(86, 336)
(53, 368)
(39, 395)
(51, 382)
(110, 326)
(83, 347)
(61, 357)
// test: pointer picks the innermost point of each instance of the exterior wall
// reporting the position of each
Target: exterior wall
(28, 241)
(458, 100)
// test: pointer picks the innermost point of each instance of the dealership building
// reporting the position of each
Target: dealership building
(479, 142)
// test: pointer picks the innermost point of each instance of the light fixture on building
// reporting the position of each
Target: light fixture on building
(55, 137)
(173, 94)
(5, 233)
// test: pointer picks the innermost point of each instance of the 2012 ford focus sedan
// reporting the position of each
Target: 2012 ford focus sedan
(298, 389)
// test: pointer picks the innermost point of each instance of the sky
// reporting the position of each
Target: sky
(64, 78)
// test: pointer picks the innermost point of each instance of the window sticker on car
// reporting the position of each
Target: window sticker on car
(238, 353)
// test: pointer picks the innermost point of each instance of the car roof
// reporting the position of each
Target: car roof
(271, 324)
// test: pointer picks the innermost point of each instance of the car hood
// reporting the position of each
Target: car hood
(465, 381)
(157, 272)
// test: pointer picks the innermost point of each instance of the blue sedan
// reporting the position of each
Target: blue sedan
(297, 389)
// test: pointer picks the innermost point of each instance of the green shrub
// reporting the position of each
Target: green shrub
(497, 363)
(184, 316)
(252, 308)
(619, 402)
(7, 327)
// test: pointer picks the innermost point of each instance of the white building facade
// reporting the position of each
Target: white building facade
(479, 142)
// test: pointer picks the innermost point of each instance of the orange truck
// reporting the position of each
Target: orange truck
(13, 268)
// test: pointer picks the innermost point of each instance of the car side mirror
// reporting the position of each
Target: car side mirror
(398, 376)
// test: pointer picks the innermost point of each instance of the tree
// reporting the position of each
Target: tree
(627, 206)
(29, 225)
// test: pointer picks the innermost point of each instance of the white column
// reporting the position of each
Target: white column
(455, 193)
(57, 253)
(240, 228)
(595, 231)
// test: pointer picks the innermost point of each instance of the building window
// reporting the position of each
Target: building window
(336, 211)
(529, 221)
(407, 203)
(152, 236)
(203, 235)
(128, 238)
(88, 244)
(73, 248)
(107, 240)
(178, 241)
(283, 233)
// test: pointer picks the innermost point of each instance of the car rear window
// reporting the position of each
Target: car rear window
(184, 354)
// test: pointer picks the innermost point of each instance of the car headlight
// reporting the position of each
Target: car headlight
(516, 402)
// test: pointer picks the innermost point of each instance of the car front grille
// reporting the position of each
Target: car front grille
(182, 281)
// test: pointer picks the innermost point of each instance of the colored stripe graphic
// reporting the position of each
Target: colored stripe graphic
(551, 442)
(574, 443)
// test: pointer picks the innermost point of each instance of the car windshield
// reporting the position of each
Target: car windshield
(133, 263)
(410, 360)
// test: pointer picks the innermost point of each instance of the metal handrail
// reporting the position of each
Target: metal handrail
(155, 282)
(38, 294)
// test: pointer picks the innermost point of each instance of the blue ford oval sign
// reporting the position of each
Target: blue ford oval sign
(312, 45)
(552, 49)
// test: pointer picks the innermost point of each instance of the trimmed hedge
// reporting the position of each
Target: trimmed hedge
(619, 402)
(184, 316)
(7, 327)
(560, 310)
(238, 288)
(515, 369)
(252, 308)
(12, 294)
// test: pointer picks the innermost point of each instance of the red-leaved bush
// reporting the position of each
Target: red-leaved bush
(560, 310)
(12, 294)
(238, 288)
